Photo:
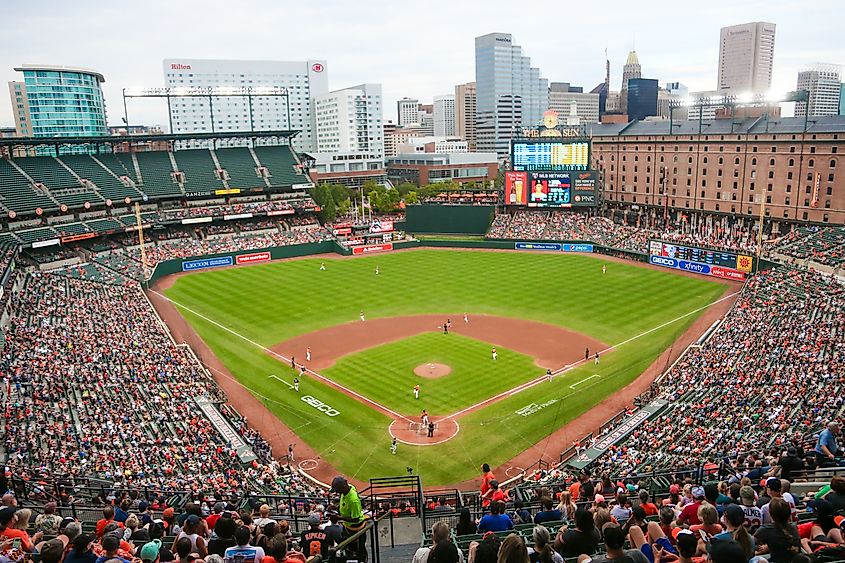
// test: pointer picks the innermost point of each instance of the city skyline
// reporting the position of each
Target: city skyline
(670, 47)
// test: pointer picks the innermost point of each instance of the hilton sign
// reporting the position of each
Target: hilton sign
(179, 66)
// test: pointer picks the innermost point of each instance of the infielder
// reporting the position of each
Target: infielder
(466, 318)
(417, 391)
(296, 384)
(393, 446)
(308, 354)
(549, 374)
(597, 358)
(362, 316)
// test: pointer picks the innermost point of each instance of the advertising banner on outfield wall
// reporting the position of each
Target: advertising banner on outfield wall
(201, 264)
(252, 258)
(628, 425)
(566, 247)
(537, 246)
(372, 248)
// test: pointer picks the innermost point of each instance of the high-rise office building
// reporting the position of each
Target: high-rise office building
(642, 98)
(746, 56)
(303, 80)
(58, 101)
(407, 111)
(465, 102)
(842, 99)
(631, 69)
(562, 95)
(510, 93)
(350, 121)
(444, 116)
(823, 83)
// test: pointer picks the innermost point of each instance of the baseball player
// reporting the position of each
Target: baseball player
(296, 384)
(495, 355)
(302, 371)
(322, 266)
(362, 316)
(293, 362)
(466, 318)
(597, 358)
(377, 270)
(417, 391)
(586, 354)
(424, 418)
(308, 354)
(393, 446)
(604, 269)
(549, 374)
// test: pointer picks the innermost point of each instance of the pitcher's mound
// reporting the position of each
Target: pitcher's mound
(432, 370)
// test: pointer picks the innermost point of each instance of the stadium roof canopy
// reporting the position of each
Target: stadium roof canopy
(738, 126)
(121, 139)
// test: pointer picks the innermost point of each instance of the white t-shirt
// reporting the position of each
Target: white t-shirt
(244, 554)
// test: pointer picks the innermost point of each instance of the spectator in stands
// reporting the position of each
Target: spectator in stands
(8, 517)
(733, 520)
(520, 514)
(689, 513)
(709, 518)
(315, 541)
(824, 530)
(826, 448)
(549, 512)
(111, 546)
(584, 538)
(263, 516)
(774, 491)
(622, 508)
(108, 516)
(151, 552)
(193, 530)
(790, 465)
(779, 537)
(276, 550)
(243, 552)
(649, 507)
(541, 551)
(82, 549)
(53, 551)
(224, 536)
(513, 550)
(445, 552)
(335, 530)
(22, 520)
(496, 521)
(637, 520)
(49, 521)
(614, 542)
(466, 525)
(566, 507)
(440, 532)
(9, 499)
(495, 493)
(183, 551)
(486, 478)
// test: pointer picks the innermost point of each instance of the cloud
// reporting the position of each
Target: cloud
(416, 50)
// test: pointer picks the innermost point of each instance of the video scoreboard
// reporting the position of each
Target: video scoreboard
(721, 264)
(550, 155)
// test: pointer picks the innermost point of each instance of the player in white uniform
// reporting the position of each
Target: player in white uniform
(308, 354)
(362, 316)
(495, 355)
(377, 270)
(322, 266)
(604, 269)
(296, 384)
(466, 318)
(393, 446)
(416, 391)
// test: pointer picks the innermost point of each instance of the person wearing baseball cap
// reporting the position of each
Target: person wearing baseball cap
(689, 514)
(151, 551)
(8, 517)
(315, 541)
(53, 551)
(351, 513)
(774, 490)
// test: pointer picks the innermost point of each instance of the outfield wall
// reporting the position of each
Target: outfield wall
(449, 219)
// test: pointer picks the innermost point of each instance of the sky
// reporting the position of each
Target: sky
(414, 49)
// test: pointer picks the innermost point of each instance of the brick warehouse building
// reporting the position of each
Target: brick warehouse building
(725, 167)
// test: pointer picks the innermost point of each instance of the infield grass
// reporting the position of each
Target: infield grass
(273, 302)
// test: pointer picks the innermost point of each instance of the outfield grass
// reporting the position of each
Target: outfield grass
(271, 303)
(385, 374)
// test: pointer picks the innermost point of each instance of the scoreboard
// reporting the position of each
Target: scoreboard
(550, 189)
(550, 155)
(721, 264)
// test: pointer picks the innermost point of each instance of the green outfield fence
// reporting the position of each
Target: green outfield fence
(449, 219)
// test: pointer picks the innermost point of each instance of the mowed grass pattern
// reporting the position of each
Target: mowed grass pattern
(274, 302)
(386, 375)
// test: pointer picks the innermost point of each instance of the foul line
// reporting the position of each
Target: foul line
(569, 367)
(284, 359)
(277, 378)
(577, 383)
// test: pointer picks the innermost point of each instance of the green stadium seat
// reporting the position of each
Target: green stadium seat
(156, 179)
(60, 183)
(280, 163)
(108, 185)
(240, 166)
(199, 170)
(18, 194)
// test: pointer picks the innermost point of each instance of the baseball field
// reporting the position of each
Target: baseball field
(538, 311)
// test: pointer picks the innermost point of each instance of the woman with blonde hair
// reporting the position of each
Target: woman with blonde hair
(602, 517)
(513, 550)
(24, 514)
(566, 507)
(709, 518)
(542, 551)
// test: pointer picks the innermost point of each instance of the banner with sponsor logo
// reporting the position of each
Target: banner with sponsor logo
(207, 406)
(537, 246)
(718, 263)
(628, 425)
(237, 216)
(43, 243)
(584, 189)
(372, 248)
(697, 268)
(281, 212)
(566, 247)
(381, 227)
(191, 265)
(252, 258)
(81, 236)
(342, 231)
(194, 220)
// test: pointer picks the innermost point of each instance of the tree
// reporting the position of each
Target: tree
(328, 211)
(411, 197)
(405, 187)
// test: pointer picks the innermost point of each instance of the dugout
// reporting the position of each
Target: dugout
(449, 219)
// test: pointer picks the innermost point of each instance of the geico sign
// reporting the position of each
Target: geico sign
(662, 261)
(320, 405)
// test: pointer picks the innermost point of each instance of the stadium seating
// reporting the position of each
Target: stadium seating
(18, 193)
(239, 164)
(61, 184)
(280, 164)
(156, 173)
(198, 167)
(107, 184)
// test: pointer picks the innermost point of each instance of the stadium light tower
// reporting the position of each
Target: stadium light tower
(733, 101)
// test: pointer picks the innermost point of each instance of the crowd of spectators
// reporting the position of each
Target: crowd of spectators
(825, 245)
(573, 226)
(768, 378)
(94, 386)
(225, 209)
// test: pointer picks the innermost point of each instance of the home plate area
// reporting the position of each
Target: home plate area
(415, 434)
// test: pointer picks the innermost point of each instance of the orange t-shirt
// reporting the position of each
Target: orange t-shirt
(485, 481)
(650, 509)
(14, 534)
(575, 490)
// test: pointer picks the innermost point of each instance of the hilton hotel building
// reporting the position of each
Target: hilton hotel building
(304, 80)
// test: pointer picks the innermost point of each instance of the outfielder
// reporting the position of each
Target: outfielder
(322, 266)
(417, 391)
(362, 316)
(495, 355)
